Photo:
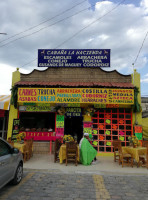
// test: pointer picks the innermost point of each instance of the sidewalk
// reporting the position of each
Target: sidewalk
(105, 165)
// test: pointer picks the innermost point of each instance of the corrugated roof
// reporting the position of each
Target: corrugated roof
(75, 84)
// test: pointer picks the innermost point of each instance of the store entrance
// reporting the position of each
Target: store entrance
(74, 126)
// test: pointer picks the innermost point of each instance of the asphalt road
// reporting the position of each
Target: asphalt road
(54, 184)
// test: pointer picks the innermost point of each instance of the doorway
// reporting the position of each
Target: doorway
(74, 126)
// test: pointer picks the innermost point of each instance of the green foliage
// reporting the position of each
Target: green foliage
(136, 107)
(14, 91)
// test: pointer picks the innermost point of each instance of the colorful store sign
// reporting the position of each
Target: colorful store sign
(73, 57)
(138, 131)
(59, 125)
(76, 95)
(139, 136)
(38, 108)
(106, 105)
(87, 128)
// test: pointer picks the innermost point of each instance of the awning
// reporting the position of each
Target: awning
(5, 102)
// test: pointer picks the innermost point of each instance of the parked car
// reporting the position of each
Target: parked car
(11, 164)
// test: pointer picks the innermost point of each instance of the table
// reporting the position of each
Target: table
(19, 146)
(135, 152)
(62, 153)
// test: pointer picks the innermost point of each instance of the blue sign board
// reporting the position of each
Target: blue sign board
(74, 58)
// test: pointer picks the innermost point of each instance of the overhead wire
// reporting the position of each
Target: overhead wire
(74, 35)
(140, 49)
(89, 24)
(32, 27)
(45, 27)
(48, 26)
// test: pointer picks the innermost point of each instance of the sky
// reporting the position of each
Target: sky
(73, 24)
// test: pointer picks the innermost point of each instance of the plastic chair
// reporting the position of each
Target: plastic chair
(71, 152)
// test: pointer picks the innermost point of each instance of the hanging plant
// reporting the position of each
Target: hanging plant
(136, 107)
(13, 100)
(89, 111)
(60, 110)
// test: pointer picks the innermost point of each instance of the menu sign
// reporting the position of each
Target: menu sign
(74, 58)
(15, 129)
(76, 95)
(59, 125)
(73, 112)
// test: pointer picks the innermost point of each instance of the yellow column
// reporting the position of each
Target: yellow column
(13, 113)
(137, 117)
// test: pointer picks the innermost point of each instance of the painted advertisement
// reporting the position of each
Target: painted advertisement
(76, 95)
(74, 58)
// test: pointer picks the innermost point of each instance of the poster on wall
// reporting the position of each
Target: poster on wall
(15, 128)
(87, 128)
(138, 131)
(59, 125)
(74, 58)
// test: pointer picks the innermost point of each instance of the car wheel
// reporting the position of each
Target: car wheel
(18, 175)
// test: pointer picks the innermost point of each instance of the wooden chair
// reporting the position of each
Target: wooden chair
(143, 159)
(71, 152)
(144, 143)
(29, 148)
(10, 142)
(26, 153)
(116, 146)
(125, 158)
(57, 146)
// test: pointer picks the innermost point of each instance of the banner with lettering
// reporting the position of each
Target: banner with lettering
(76, 95)
(73, 57)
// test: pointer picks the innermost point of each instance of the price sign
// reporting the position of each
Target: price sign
(121, 138)
(95, 132)
(108, 143)
(107, 132)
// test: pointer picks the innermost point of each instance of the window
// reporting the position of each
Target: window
(37, 120)
(4, 149)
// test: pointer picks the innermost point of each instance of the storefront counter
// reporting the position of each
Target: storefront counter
(39, 136)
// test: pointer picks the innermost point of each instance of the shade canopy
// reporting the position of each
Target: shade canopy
(5, 102)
